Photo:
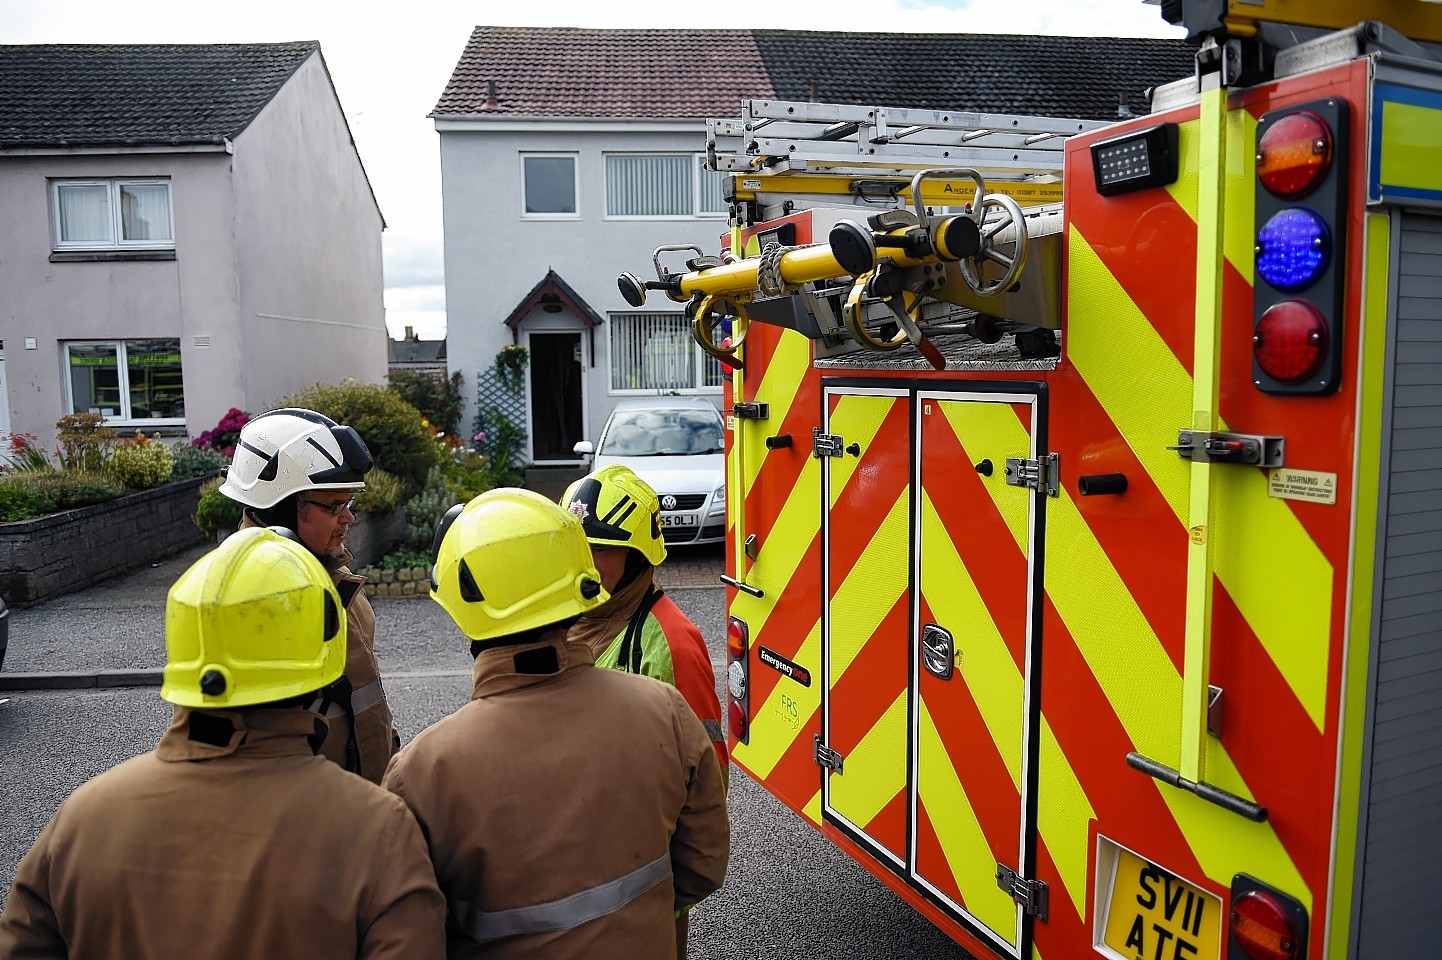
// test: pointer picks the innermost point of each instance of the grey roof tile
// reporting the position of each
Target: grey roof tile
(130, 94)
(567, 72)
(570, 72)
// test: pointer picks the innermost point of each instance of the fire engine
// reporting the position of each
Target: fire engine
(1085, 542)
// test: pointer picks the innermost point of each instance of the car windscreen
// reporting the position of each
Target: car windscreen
(659, 433)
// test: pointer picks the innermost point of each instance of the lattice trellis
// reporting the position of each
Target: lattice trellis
(501, 417)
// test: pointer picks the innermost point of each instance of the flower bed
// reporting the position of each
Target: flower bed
(50, 556)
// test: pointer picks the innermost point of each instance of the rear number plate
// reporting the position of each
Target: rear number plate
(678, 519)
(1153, 913)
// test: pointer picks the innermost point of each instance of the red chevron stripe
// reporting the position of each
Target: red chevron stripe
(798, 607)
(1134, 528)
(1127, 803)
(1286, 763)
(972, 751)
(980, 535)
(872, 682)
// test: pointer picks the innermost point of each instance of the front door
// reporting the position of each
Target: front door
(973, 665)
(555, 396)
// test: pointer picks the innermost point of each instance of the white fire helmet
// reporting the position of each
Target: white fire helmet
(285, 451)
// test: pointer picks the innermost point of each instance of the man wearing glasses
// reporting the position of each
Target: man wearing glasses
(298, 469)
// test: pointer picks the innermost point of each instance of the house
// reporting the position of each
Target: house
(411, 354)
(187, 228)
(569, 155)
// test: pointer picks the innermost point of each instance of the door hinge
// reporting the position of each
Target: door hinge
(827, 757)
(826, 444)
(1042, 474)
(1031, 894)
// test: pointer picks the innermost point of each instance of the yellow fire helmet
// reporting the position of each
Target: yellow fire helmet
(618, 509)
(511, 561)
(255, 620)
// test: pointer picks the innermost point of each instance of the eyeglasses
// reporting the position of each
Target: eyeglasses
(334, 509)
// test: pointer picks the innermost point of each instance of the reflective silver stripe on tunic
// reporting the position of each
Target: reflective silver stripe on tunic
(565, 913)
(366, 697)
(714, 731)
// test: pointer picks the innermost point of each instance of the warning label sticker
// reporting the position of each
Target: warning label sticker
(1314, 485)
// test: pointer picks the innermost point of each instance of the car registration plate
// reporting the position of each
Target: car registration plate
(1152, 913)
(678, 519)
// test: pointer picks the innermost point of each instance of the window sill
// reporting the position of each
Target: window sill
(97, 256)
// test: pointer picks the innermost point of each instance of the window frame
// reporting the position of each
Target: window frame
(575, 158)
(122, 367)
(698, 161)
(117, 240)
(699, 361)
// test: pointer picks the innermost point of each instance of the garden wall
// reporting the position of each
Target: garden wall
(73, 549)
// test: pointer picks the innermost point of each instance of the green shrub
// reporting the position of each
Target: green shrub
(192, 461)
(424, 512)
(438, 399)
(85, 442)
(467, 474)
(383, 492)
(405, 558)
(215, 511)
(46, 491)
(141, 462)
(393, 429)
(17, 502)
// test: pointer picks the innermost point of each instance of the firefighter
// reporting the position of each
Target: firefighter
(640, 629)
(298, 469)
(549, 839)
(232, 839)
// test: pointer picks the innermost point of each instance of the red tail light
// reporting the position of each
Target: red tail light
(1262, 927)
(738, 679)
(1290, 341)
(736, 638)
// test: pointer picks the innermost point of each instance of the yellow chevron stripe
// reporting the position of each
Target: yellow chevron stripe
(870, 589)
(862, 602)
(990, 426)
(1237, 228)
(1064, 812)
(984, 663)
(875, 768)
(779, 385)
(1277, 576)
(968, 854)
(1145, 690)
(856, 418)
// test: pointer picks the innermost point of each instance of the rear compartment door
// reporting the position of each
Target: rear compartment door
(866, 507)
(973, 657)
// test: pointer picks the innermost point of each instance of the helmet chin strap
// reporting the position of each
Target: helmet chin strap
(283, 514)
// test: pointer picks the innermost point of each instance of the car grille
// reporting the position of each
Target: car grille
(686, 501)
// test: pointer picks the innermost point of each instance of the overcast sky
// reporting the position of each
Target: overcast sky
(390, 62)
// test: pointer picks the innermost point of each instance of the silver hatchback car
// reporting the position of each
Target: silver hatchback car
(675, 444)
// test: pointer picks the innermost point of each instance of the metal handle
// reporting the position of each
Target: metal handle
(938, 651)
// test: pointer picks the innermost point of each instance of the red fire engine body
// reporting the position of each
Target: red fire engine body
(1116, 633)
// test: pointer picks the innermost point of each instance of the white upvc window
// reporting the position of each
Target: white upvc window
(550, 188)
(112, 214)
(126, 381)
(660, 186)
(655, 351)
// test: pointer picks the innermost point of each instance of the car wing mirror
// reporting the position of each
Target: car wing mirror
(584, 447)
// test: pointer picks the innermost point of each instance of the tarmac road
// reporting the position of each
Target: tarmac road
(788, 894)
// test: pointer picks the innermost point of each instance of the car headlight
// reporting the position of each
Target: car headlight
(718, 500)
